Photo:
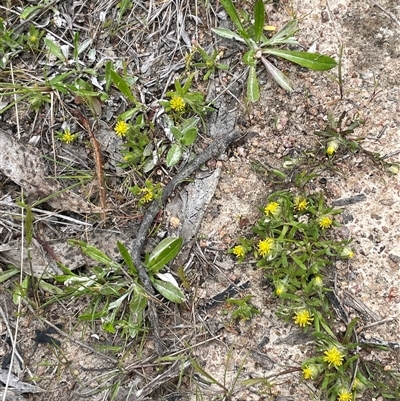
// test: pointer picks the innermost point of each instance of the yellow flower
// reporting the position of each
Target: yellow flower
(121, 128)
(147, 195)
(177, 103)
(67, 137)
(265, 246)
(272, 209)
(318, 282)
(300, 204)
(325, 222)
(345, 395)
(333, 356)
(280, 289)
(332, 147)
(303, 318)
(347, 253)
(310, 371)
(238, 251)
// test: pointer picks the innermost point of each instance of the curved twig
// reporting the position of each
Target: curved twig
(217, 147)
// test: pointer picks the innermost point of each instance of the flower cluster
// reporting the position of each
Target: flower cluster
(177, 103)
(66, 136)
(303, 318)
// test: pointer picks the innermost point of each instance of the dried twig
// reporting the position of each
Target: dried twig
(214, 150)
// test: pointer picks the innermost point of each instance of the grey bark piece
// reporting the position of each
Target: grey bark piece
(16, 385)
(189, 207)
(23, 164)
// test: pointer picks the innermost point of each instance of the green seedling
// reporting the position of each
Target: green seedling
(184, 136)
(148, 193)
(243, 309)
(211, 63)
(118, 299)
(184, 102)
(260, 47)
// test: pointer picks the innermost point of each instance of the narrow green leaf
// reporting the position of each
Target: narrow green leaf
(54, 49)
(127, 257)
(231, 11)
(278, 76)
(299, 262)
(174, 155)
(169, 291)
(121, 84)
(50, 288)
(93, 252)
(228, 34)
(259, 19)
(29, 10)
(285, 35)
(5, 275)
(139, 301)
(313, 61)
(163, 253)
(253, 90)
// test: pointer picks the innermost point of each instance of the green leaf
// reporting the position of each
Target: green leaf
(279, 76)
(50, 288)
(169, 291)
(139, 300)
(5, 275)
(121, 84)
(313, 61)
(54, 49)
(231, 11)
(174, 155)
(248, 58)
(189, 137)
(176, 132)
(285, 35)
(253, 90)
(127, 257)
(29, 10)
(163, 253)
(228, 34)
(259, 19)
(93, 252)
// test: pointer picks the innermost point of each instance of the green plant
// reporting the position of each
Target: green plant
(260, 46)
(10, 43)
(209, 62)
(184, 136)
(148, 193)
(244, 310)
(185, 102)
(118, 299)
(293, 245)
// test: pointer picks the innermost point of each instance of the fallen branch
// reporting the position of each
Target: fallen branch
(214, 150)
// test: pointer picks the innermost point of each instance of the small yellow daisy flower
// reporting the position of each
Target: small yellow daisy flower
(300, 204)
(333, 356)
(345, 395)
(238, 251)
(177, 103)
(67, 137)
(280, 289)
(147, 196)
(332, 147)
(303, 318)
(325, 222)
(265, 246)
(310, 371)
(272, 209)
(347, 253)
(121, 128)
(318, 282)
